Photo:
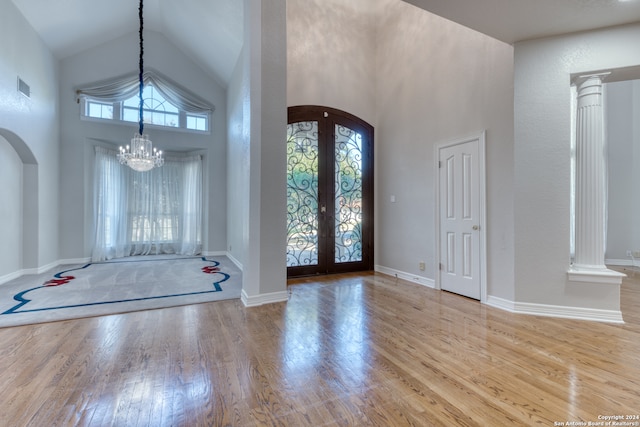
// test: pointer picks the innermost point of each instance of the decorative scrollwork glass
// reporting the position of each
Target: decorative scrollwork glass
(302, 194)
(348, 195)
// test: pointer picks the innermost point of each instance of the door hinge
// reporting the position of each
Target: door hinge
(440, 266)
(439, 164)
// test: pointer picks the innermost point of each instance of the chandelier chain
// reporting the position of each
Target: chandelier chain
(141, 71)
(141, 156)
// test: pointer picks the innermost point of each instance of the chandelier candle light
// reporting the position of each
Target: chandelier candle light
(140, 155)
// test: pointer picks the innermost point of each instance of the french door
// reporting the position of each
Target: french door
(329, 192)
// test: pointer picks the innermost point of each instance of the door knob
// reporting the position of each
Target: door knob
(476, 227)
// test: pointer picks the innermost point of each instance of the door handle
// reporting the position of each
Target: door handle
(476, 227)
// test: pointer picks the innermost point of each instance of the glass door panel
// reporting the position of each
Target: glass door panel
(329, 192)
(302, 194)
(348, 195)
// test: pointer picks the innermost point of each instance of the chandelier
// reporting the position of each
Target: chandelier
(140, 155)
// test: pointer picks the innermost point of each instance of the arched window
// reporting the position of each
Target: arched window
(164, 103)
(156, 109)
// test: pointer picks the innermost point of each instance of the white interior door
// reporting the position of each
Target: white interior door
(460, 218)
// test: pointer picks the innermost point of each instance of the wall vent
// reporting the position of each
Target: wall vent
(24, 88)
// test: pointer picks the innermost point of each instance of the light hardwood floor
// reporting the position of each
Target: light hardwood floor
(347, 350)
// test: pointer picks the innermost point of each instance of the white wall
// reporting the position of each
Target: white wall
(331, 55)
(257, 132)
(237, 161)
(420, 80)
(437, 82)
(543, 70)
(10, 209)
(32, 128)
(267, 68)
(622, 109)
(78, 137)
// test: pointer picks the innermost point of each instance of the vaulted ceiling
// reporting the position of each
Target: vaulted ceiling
(211, 31)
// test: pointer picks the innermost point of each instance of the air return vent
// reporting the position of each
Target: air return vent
(24, 88)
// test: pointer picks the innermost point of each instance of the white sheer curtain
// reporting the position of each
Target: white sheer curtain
(122, 88)
(142, 213)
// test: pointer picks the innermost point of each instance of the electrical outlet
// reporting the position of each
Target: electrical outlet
(636, 254)
(628, 253)
(421, 265)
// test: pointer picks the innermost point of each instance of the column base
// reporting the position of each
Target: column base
(591, 274)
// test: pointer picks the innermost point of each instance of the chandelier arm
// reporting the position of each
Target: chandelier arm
(141, 72)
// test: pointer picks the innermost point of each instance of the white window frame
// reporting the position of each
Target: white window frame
(117, 117)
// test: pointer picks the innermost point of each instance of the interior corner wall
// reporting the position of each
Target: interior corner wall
(237, 161)
(34, 122)
(439, 82)
(420, 80)
(79, 137)
(542, 107)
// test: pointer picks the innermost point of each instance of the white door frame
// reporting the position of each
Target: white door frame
(482, 209)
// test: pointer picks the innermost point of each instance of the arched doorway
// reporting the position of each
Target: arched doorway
(28, 193)
(329, 192)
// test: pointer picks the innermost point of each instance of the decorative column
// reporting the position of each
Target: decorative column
(591, 180)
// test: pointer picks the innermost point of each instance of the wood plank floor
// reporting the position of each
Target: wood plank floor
(345, 350)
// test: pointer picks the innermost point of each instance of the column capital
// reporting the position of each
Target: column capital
(589, 89)
(594, 78)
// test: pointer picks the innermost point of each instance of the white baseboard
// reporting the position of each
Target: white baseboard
(501, 303)
(425, 281)
(622, 262)
(215, 253)
(234, 260)
(11, 276)
(224, 253)
(43, 269)
(577, 313)
(227, 254)
(262, 299)
(74, 261)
